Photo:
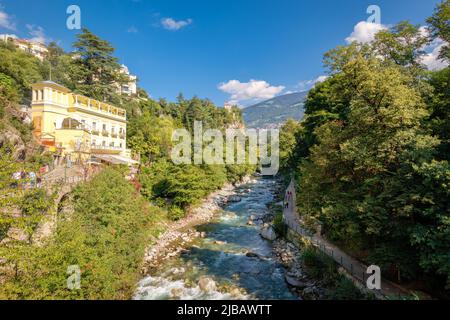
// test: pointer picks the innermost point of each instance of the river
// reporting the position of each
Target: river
(231, 262)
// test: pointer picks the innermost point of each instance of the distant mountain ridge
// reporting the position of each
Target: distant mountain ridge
(274, 112)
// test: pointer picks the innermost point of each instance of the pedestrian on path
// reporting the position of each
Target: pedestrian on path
(39, 181)
(16, 176)
(32, 177)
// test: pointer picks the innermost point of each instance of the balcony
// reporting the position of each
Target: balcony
(95, 132)
(114, 135)
(81, 103)
(105, 133)
(99, 149)
(122, 135)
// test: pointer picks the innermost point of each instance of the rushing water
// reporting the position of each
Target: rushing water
(222, 256)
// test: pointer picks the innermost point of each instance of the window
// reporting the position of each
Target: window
(104, 127)
(93, 142)
(104, 143)
(94, 125)
(113, 129)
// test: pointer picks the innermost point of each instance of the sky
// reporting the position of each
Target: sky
(236, 51)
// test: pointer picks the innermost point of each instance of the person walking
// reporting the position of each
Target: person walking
(16, 176)
(32, 177)
(39, 181)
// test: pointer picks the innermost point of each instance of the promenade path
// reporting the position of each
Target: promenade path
(351, 265)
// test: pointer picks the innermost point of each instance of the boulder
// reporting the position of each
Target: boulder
(207, 284)
(268, 233)
(176, 293)
(234, 199)
(295, 282)
(252, 255)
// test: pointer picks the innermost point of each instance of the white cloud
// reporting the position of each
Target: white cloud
(306, 85)
(249, 91)
(37, 33)
(431, 58)
(365, 32)
(5, 21)
(172, 24)
(132, 29)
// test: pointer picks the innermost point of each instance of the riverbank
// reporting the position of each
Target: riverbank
(180, 233)
(228, 258)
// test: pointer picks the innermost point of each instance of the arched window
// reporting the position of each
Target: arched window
(69, 123)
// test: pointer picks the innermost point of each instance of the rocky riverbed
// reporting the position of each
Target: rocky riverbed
(181, 233)
(296, 276)
(227, 249)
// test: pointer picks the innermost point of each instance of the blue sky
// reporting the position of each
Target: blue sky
(213, 48)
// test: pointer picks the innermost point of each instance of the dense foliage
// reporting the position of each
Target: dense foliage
(371, 155)
(104, 237)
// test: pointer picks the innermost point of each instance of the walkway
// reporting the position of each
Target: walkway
(351, 265)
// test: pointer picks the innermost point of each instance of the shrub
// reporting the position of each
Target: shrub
(344, 289)
(176, 213)
(105, 237)
(319, 265)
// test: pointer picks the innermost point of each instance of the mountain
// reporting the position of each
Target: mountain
(274, 112)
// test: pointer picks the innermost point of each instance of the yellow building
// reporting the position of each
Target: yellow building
(77, 126)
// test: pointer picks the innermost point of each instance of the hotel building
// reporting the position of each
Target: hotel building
(78, 127)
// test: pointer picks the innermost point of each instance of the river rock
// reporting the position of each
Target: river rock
(176, 293)
(176, 271)
(252, 255)
(234, 199)
(18, 235)
(207, 284)
(295, 282)
(235, 293)
(268, 233)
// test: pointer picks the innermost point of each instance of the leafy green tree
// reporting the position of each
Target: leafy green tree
(288, 143)
(354, 182)
(96, 70)
(402, 44)
(104, 237)
(439, 102)
(151, 136)
(440, 27)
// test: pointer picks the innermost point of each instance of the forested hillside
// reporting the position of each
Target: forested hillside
(371, 156)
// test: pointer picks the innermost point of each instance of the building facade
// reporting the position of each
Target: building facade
(76, 126)
(129, 88)
(37, 49)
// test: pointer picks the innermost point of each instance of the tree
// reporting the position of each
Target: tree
(96, 71)
(440, 27)
(402, 44)
(356, 179)
(288, 143)
(438, 103)
(151, 136)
